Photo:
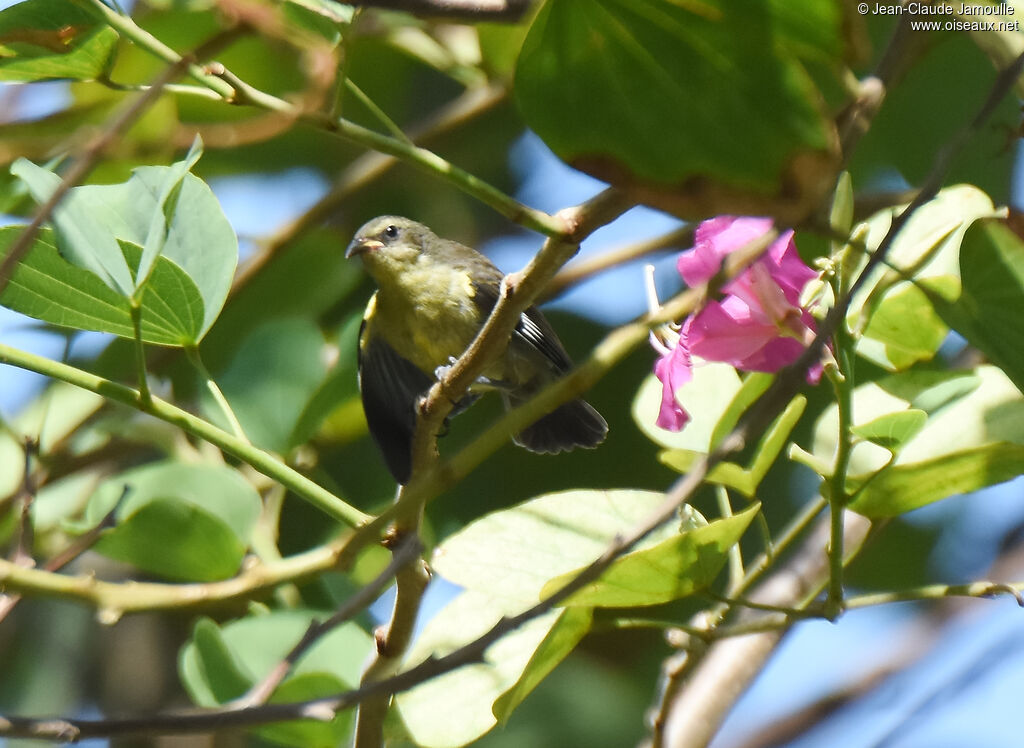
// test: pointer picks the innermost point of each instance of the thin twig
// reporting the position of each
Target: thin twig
(262, 461)
(475, 11)
(407, 549)
(366, 169)
(581, 270)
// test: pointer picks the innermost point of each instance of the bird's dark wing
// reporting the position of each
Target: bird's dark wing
(532, 330)
(390, 387)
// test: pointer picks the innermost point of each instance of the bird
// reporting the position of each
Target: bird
(433, 296)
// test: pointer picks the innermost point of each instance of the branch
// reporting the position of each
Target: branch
(583, 269)
(473, 11)
(81, 544)
(690, 713)
(112, 599)
(408, 549)
(233, 90)
(262, 461)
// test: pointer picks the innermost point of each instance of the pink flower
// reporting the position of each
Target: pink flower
(674, 369)
(759, 324)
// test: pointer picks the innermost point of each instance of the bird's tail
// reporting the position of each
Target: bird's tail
(574, 424)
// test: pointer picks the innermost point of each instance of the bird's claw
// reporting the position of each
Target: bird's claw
(442, 371)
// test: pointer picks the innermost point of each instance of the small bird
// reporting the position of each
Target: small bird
(433, 296)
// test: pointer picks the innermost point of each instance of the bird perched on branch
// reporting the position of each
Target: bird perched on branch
(433, 297)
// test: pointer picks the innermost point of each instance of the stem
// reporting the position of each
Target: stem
(135, 308)
(112, 600)
(735, 554)
(262, 461)
(376, 111)
(125, 26)
(843, 384)
(192, 352)
(938, 592)
(239, 92)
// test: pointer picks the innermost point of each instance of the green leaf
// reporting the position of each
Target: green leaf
(183, 521)
(309, 733)
(907, 326)
(166, 205)
(47, 287)
(556, 646)
(988, 310)
(460, 706)
(81, 234)
(905, 487)
(174, 540)
(774, 439)
(215, 673)
(897, 318)
(841, 215)
(50, 419)
(272, 379)
(60, 500)
(674, 568)
(974, 422)
(53, 39)
(199, 240)
(767, 451)
(512, 553)
(706, 398)
(724, 473)
(754, 385)
(892, 430)
(662, 96)
(221, 663)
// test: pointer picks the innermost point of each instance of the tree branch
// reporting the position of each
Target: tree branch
(262, 461)
(233, 90)
(474, 11)
(113, 599)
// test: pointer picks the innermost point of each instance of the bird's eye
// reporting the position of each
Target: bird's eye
(391, 232)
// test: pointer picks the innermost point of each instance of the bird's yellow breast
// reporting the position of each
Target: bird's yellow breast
(427, 314)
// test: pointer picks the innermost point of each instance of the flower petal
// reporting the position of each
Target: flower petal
(674, 370)
(729, 331)
(714, 239)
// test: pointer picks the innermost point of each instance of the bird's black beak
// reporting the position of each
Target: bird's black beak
(362, 244)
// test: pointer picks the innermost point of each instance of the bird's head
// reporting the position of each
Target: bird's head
(390, 244)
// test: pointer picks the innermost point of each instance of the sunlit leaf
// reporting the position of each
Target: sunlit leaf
(706, 398)
(975, 423)
(892, 430)
(81, 234)
(906, 487)
(676, 567)
(49, 288)
(458, 707)
(514, 552)
(988, 310)
(198, 238)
